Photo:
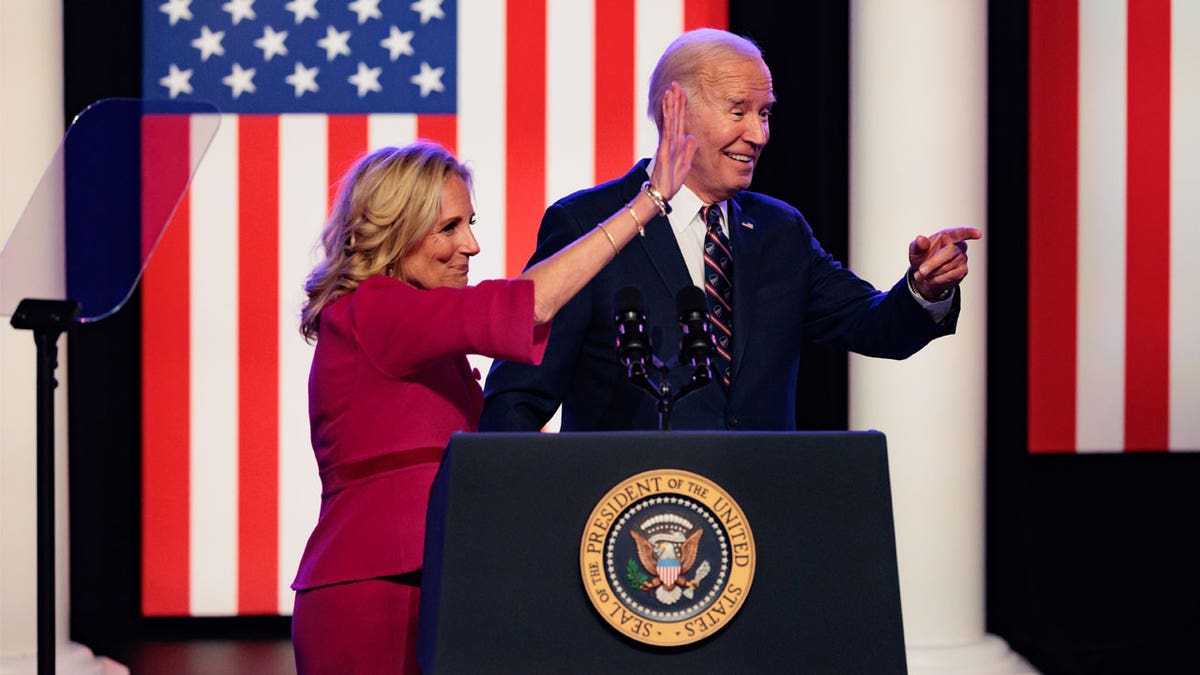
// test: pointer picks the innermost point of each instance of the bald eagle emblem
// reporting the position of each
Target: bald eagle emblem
(667, 545)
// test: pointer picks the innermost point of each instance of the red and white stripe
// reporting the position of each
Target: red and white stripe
(1114, 201)
(230, 488)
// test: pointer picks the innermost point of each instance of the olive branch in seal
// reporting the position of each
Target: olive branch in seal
(634, 573)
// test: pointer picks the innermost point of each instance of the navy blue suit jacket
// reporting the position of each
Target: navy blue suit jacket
(787, 289)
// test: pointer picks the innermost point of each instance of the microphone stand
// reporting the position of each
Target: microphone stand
(662, 391)
(47, 319)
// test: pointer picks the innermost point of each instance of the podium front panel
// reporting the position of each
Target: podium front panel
(502, 589)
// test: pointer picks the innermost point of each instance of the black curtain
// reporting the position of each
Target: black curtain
(806, 162)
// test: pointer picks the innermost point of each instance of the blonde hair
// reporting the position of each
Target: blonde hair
(386, 203)
(688, 59)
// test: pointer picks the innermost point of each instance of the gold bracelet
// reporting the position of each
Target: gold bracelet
(641, 230)
(610, 239)
(657, 197)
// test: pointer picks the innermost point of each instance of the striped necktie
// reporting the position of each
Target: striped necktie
(718, 288)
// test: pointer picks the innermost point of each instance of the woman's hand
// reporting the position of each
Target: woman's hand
(675, 148)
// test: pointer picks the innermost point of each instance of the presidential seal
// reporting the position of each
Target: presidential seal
(667, 557)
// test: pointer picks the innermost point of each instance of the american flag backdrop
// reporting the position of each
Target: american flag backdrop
(539, 97)
(1114, 221)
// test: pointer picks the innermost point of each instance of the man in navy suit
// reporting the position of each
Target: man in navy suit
(785, 287)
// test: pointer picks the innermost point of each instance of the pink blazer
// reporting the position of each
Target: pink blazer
(389, 384)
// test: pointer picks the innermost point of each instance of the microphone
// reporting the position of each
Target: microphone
(633, 344)
(697, 342)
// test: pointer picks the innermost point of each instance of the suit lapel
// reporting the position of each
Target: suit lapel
(663, 249)
(747, 240)
(659, 243)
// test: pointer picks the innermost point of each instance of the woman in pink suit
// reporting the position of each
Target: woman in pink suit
(393, 320)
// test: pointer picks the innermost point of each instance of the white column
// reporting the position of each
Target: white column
(918, 141)
(31, 113)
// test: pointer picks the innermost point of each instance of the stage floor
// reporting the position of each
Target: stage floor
(205, 657)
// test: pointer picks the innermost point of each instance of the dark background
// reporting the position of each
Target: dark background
(1090, 559)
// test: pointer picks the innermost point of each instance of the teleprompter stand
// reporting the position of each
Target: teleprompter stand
(47, 319)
